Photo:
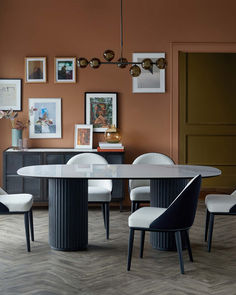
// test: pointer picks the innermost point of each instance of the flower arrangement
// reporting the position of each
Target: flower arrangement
(15, 123)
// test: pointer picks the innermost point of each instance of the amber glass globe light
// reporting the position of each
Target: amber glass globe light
(147, 64)
(135, 71)
(108, 55)
(122, 62)
(82, 62)
(161, 63)
(95, 63)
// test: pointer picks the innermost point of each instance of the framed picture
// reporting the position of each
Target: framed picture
(10, 94)
(45, 117)
(101, 110)
(83, 136)
(148, 82)
(35, 70)
(65, 69)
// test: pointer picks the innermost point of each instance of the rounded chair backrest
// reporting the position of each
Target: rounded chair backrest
(233, 193)
(181, 212)
(91, 158)
(149, 158)
(2, 192)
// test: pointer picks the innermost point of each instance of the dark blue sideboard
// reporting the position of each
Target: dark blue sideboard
(15, 159)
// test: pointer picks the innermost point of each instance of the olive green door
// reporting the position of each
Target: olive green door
(207, 118)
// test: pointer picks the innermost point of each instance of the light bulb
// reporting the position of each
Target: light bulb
(135, 71)
(95, 63)
(108, 55)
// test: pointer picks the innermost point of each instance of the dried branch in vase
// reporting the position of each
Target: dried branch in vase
(19, 124)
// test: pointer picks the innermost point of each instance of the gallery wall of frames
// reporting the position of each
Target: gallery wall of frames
(100, 108)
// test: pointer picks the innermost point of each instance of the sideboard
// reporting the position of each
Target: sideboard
(15, 159)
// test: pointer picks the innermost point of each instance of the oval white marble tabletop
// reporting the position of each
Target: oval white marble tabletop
(97, 171)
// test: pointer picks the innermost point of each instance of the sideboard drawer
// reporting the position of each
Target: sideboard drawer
(13, 163)
(54, 159)
(31, 159)
(13, 184)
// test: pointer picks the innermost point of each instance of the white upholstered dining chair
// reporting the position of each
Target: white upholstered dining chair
(99, 191)
(218, 204)
(140, 189)
(177, 218)
(19, 204)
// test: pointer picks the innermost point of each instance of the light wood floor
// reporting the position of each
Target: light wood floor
(102, 268)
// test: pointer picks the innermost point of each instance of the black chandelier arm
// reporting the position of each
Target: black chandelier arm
(121, 28)
(124, 63)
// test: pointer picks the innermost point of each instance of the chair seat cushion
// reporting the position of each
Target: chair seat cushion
(143, 217)
(98, 194)
(220, 203)
(141, 193)
(17, 202)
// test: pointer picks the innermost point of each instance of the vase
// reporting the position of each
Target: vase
(112, 135)
(16, 137)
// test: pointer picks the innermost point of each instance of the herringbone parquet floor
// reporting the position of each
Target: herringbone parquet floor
(102, 268)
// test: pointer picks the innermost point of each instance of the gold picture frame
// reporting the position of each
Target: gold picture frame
(35, 69)
(65, 69)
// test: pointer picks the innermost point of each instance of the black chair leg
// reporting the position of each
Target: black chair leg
(133, 205)
(121, 206)
(179, 249)
(210, 231)
(103, 214)
(31, 224)
(207, 224)
(27, 231)
(130, 247)
(142, 243)
(137, 206)
(107, 214)
(189, 246)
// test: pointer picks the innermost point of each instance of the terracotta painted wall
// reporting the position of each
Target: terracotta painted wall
(86, 28)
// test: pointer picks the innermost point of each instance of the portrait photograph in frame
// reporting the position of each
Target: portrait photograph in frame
(101, 110)
(65, 69)
(35, 70)
(10, 94)
(148, 82)
(45, 117)
(83, 136)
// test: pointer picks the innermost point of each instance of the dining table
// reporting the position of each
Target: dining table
(68, 195)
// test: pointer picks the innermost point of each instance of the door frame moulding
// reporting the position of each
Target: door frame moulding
(187, 47)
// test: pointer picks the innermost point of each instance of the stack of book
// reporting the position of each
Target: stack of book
(110, 147)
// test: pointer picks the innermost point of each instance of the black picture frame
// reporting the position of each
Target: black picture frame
(101, 110)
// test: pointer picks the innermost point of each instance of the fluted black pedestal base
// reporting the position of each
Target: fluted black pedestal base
(163, 192)
(68, 214)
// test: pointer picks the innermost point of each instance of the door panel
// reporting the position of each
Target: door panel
(207, 114)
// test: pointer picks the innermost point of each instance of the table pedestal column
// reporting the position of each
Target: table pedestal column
(68, 214)
(163, 192)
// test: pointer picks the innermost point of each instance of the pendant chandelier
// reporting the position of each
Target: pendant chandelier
(122, 62)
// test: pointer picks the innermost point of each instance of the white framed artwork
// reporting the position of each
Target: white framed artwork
(35, 70)
(45, 117)
(101, 110)
(83, 136)
(148, 82)
(65, 69)
(10, 94)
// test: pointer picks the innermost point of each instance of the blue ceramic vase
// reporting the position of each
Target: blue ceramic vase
(16, 134)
